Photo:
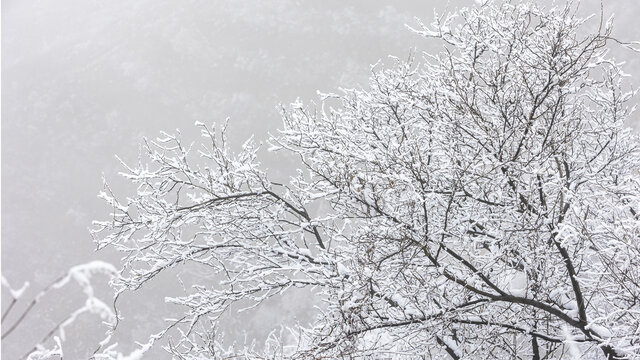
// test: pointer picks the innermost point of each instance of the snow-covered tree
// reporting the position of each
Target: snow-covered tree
(19, 309)
(480, 203)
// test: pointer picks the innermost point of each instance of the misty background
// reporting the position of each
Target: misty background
(83, 80)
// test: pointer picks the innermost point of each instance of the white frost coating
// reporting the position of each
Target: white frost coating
(45, 354)
(343, 270)
(452, 345)
(305, 252)
(82, 275)
(572, 345)
(15, 293)
(58, 342)
(518, 284)
(600, 330)
(136, 354)
(408, 308)
(42, 353)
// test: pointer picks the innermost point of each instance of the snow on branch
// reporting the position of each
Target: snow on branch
(82, 275)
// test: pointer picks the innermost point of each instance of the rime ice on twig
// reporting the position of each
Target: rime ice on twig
(82, 275)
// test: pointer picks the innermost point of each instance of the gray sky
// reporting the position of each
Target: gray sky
(84, 80)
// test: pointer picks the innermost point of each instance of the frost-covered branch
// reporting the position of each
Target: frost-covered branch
(82, 275)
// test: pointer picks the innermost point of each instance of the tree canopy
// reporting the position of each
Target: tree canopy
(481, 202)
